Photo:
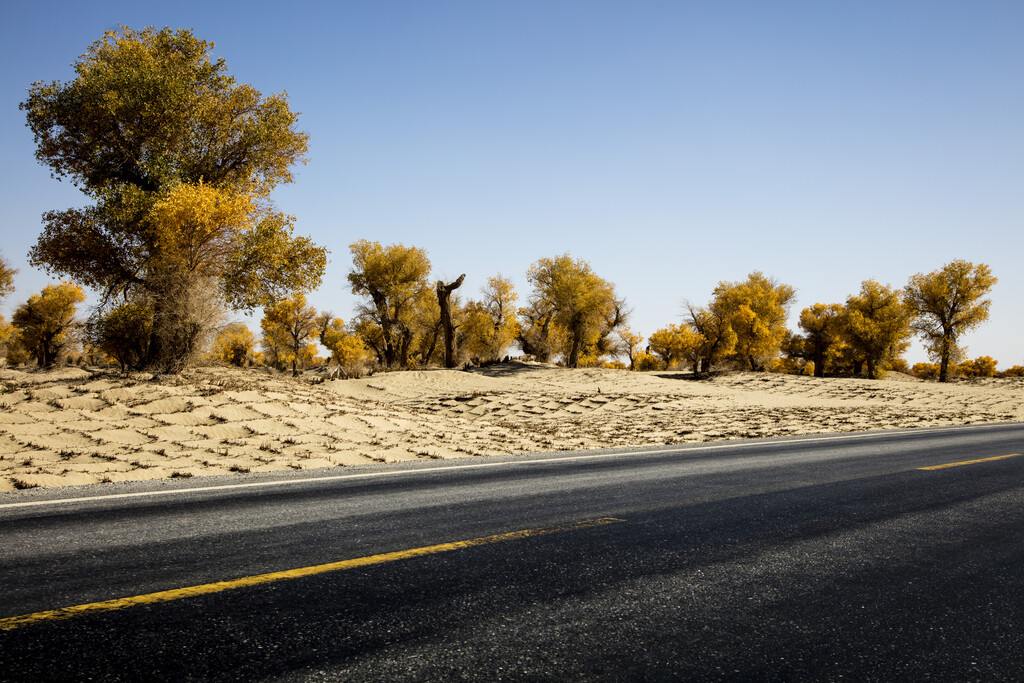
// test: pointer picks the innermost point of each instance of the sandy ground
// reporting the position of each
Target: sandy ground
(74, 426)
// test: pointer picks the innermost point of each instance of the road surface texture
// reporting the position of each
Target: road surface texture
(813, 558)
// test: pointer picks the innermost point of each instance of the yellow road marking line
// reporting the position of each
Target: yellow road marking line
(969, 462)
(10, 623)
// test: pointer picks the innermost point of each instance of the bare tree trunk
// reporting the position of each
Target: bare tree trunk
(444, 296)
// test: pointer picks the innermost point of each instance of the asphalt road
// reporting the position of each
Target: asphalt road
(819, 558)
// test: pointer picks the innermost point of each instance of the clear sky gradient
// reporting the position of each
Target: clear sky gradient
(672, 145)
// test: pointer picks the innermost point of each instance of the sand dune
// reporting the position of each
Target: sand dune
(75, 426)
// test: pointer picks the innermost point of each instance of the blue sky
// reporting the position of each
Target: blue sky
(672, 145)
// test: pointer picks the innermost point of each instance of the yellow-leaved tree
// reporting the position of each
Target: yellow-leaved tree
(46, 323)
(291, 325)
(489, 326)
(570, 295)
(714, 325)
(235, 344)
(756, 310)
(347, 350)
(178, 160)
(877, 326)
(677, 344)
(6, 287)
(823, 325)
(946, 303)
(7, 274)
(631, 344)
(391, 278)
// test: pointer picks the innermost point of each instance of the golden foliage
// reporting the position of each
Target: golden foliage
(288, 327)
(677, 344)
(567, 293)
(756, 310)
(6, 278)
(176, 155)
(823, 325)
(195, 227)
(982, 366)
(392, 278)
(877, 326)
(47, 323)
(7, 336)
(489, 326)
(946, 303)
(715, 326)
(235, 344)
(348, 351)
(647, 361)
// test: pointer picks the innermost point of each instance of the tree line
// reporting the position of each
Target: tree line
(745, 324)
(179, 160)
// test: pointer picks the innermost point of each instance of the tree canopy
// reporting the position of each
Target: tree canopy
(392, 278)
(570, 294)
(823, 324)
(179, 160)
(290, 325)
(946, 303)
(6, 278)
(877, 326)
(756, 310)
(47, 323)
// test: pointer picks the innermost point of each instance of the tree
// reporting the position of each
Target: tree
(823, 324)
(539, 335)
(348, 351)
(490, 325)
(569, 293)
(235, 344)
(124, 333)
(756, 310)
(8, 337)
(947, 303)
(630, 344)
(982, 366)
(6, 287)
(178, 159)
(877, 326)
(713, 324)
(295, 322)
(6, 278)
(47, 321)
(391, 278)
(677, 344)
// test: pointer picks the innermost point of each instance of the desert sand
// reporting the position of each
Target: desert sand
(76, 426)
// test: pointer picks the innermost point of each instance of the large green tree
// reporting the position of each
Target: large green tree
(178, 160)
(946, 303)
